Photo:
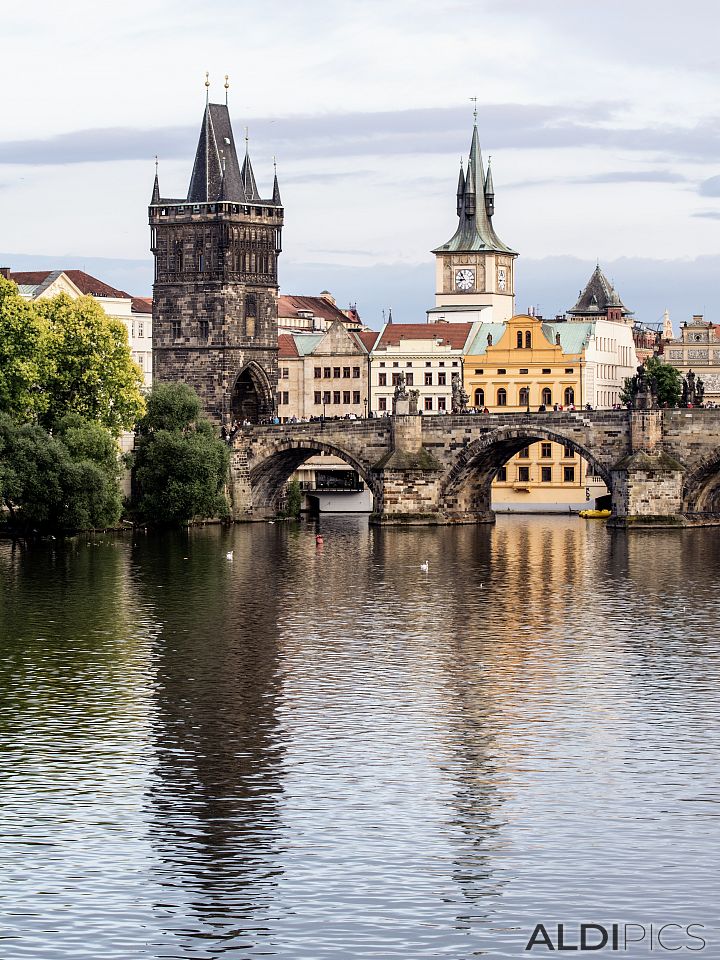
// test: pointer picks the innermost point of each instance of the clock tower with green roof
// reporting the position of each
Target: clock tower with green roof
(475, 270)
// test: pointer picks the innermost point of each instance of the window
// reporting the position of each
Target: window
(356, 396)
(442, 379)
(141, 332)
(346, 396)
(441, 403)
(201, 263)
(546, 474)
(176, 329)
(502, 371)
(336, 396)
(524, 397)
(501, 475)
(409, 363)
(479, 373)
(318, 372)
(454, 363)
(382, 403)
(528, 340)
(318, 398)
(395, 379)
(285, 373)
(251, 305)
(523, 369)
(285, 397)
(428, 363)
(356, 371)
(409, 379)
(524, 453)
(546, 450)
(502, 397)
(547, 396)
(428, 403)
(382, 379)
(547, 370)
(442, 363)
(346, 372)
(327, 372)
(396, 363)
(382, 363)
(524, 474)
(203, 329)
(569, 474)
(568, 452)
(569, 370)
(479, 397)
(569, 396)
(336, 372)
(428, 379)
(326, 396)
(519, 340)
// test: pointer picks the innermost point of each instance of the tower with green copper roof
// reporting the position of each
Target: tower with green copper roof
(475, 270)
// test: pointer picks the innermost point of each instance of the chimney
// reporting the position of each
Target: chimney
(697, 318)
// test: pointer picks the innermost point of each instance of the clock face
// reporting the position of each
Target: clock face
(465, 279)
(502, 278)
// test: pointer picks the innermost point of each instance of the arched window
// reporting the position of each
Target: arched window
(528, 339)
(251, 305)
(547, 396)
(569, 396)
(519, 339)
(479, 397)
(502, 397)
(524, 397)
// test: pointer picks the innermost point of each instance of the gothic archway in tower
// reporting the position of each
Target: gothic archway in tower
(252, 396)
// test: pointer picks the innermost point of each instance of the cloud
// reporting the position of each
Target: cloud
(708, 214)
(710, 187)
(385, 133)
(612, 176)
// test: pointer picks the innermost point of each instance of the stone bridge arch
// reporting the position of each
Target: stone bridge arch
(701, 486)
(465, 492)
(273, 465)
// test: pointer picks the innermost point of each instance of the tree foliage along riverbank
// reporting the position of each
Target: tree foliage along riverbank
(180, 466)
(61, 356)
(667, 380)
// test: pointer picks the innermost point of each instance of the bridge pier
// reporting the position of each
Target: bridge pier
(647, 484)
(407, 478)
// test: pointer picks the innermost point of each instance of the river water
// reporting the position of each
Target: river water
(313, 752)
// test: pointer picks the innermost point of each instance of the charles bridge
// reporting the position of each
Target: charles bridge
(662, 467)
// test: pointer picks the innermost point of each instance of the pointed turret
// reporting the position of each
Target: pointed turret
(475, 232)
(247, 176)
(216, 159)
(599, 298)
(276, 191)
(667, 326)
(156, 188)
(460, 189)
(489, 193)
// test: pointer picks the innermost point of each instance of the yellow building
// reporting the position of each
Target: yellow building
(527, 365)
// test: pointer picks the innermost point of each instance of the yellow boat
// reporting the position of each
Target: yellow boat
(595, 514)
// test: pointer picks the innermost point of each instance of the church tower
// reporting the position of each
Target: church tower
(215, 290)
(474, 269)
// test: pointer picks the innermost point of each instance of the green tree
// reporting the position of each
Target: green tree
(59, 483)
(180, 466)
(667, 381)
(24, 357)
(92, 372)
(294, 498)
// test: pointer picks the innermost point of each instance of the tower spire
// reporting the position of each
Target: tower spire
(247, 177)
(156, 185)
(276, 186)
(489, 191)
(207, 88)
(460, 189)
(227, 87)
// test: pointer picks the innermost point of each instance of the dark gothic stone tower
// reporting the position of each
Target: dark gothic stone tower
(215, 290)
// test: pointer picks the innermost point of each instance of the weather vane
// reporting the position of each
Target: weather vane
(474, 100)
(227, 87)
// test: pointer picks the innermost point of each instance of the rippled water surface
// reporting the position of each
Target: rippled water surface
(324, 752)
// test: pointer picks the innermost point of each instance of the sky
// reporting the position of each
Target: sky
(602, 120)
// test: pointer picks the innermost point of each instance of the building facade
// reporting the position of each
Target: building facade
(427, 354)
(474, 270)
(215, 292)
(697, 349)
(299, 314)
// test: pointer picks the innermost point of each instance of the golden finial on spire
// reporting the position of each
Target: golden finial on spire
(207, 79)
(474, 100)
(156, 164)
(227, 87)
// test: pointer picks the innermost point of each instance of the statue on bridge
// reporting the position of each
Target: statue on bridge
(404, 402)
(643, 389)
(693, 390)
(460, 398)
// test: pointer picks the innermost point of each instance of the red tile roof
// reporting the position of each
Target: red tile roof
(289, 306)
(32, 278)
(450, 334)
(367, 337)
(92, 286)
(142, 304)
(287, 346)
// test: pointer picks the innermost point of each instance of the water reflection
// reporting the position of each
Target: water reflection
(320, 752)
(213, 801)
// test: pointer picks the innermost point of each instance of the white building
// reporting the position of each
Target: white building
(135, 312)
(428, 354)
